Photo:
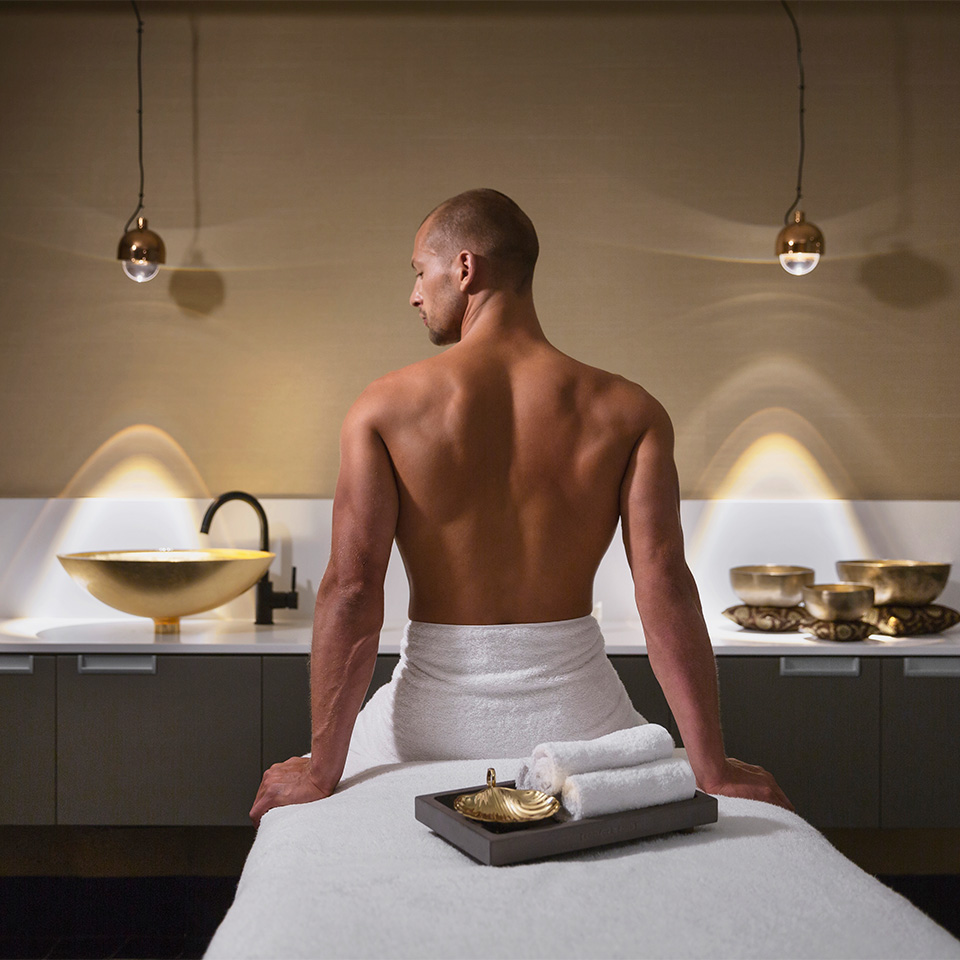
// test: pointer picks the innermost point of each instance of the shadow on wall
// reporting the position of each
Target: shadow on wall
(195, 288)
(902, 278)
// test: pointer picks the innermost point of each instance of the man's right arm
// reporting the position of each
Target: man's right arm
(348, 614)
(349, 610)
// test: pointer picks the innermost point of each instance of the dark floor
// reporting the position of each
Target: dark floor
(155, 918)
(938, 896)
(89, 919)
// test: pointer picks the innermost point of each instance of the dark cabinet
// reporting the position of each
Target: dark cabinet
(814, 723)
(157, 740)
(182, 739)
(920, 764)
(286, 708)
(28, 711)
(286, 703)
(637, 676)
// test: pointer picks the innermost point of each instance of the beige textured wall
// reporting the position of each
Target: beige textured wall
(292, 149)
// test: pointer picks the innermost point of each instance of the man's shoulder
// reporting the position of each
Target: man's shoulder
(394, 392)
(620, 393)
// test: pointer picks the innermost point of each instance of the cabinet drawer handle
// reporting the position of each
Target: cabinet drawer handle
(116, 663)
(819, 666)
(931, 666)
(16, 663)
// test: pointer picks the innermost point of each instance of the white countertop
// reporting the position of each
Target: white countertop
(44, 611)
(206, 636)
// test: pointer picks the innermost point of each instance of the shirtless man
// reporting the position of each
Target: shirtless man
(501, 467)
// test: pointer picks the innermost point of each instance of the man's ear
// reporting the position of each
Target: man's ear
(466, 269)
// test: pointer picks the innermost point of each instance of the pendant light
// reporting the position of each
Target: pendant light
(141, 251)
(799, 244)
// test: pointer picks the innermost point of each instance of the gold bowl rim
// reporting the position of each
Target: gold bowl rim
(842, 587)
(169, 555)
(770, 570)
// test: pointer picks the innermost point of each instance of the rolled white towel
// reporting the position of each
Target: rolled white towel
(628, 788)
(552, 763)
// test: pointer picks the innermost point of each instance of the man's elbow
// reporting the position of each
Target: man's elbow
(664, 579)
(352, 595)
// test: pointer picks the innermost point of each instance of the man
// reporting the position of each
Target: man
(501, 467)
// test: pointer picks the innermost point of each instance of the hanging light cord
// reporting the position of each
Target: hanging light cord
(139, 110)
(796, 30)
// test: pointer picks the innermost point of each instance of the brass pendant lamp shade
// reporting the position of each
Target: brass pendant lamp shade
(141, 252)
(799, 245)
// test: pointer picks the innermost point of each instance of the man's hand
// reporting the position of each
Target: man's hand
(739, 779)
(285, 783)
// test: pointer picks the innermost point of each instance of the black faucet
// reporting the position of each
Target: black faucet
(268, 599)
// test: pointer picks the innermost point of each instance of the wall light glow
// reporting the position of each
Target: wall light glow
(138, 490)
(780, 497)
(140, 462)
(776, 467)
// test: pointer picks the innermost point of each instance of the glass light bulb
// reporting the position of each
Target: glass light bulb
(140, 270)
(799, 264)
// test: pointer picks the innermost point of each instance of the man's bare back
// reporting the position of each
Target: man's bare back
(510, 459)
(501, 469)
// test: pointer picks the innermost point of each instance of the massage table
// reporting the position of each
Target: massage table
(356, 875)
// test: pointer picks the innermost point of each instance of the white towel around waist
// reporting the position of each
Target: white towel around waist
(491, 691)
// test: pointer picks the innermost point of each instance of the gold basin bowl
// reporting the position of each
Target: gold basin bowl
(166, 585)
(770, 584)
(911, 583)
(838, 601)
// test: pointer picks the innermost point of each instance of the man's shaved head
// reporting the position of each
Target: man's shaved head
(490, 225)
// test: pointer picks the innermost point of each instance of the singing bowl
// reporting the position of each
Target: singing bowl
(770, 584)
(838, 601)
(166, 584)
(912, 583)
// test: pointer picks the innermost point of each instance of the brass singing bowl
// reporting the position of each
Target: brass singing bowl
(166, 585)
(770, 584)
(911, 583)
(838, 601)
(506, 805)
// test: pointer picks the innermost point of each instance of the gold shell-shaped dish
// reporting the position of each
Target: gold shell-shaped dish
(505, 805)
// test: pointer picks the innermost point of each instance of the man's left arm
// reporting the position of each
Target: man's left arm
(678, 644)
(348, 614)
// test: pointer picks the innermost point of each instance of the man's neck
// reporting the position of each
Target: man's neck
(500, 314)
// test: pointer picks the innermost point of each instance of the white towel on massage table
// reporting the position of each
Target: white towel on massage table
(356, 875)
(598, 792)
(551, 763)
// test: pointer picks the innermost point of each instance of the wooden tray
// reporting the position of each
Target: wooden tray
(498, 844)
